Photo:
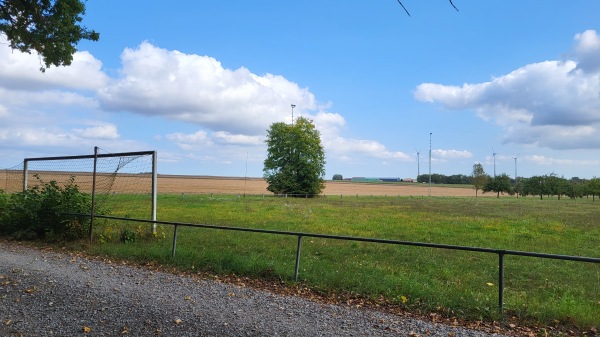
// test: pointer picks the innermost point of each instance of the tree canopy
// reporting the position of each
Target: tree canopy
(49, 27)
(499, 184)
(295, 161)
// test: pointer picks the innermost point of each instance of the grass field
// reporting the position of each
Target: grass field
(420, 279)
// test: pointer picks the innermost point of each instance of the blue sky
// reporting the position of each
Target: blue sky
(201, 81)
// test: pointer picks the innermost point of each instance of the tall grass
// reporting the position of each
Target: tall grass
(423, 279)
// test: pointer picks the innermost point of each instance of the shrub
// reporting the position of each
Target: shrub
(129, 236)
(39, 212)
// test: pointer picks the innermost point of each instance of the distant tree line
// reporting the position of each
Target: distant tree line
(443, 179)
(552, 185)
(549, 185)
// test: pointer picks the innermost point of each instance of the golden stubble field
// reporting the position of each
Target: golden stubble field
(177, 184)
(223, 185)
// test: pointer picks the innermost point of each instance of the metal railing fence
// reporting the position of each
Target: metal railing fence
(500, 252)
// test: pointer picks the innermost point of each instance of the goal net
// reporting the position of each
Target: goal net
(114, 179)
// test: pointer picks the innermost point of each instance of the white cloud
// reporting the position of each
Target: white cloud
(38, 137)
(232, 107)
(197, 89)
(553, 104)
(550, 161)
(356, 148)
(105, 131)
(189, 141)
(20, 71)
(451, 154)
(587, 50)
(35, 105)
(330, 125)
(228, 138)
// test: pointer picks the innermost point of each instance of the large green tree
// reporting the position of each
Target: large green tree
(499, 184)
(594, 187)
(536, 185)
(50, 27)
(295, 161)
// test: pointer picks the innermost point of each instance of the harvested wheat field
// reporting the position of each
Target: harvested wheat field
(176, 184)
(232, 185)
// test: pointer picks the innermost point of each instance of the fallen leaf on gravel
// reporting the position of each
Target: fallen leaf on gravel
(187, 298)
(490, 284)
(124, 330)
(86, 329)
(7, 322)
(30, 290)
(177, 321)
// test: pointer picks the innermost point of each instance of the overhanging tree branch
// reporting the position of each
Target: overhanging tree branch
(52, 28)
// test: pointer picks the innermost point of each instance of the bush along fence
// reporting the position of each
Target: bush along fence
(499, 252)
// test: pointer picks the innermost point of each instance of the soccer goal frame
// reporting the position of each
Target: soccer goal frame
(95, 158)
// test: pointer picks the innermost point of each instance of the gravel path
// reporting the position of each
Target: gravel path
(45, 293)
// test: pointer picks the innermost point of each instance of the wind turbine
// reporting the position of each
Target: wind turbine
(430, 163)
(515, 158)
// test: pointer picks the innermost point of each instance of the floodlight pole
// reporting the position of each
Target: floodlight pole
(494, 155)
(430, 163)
(293, 106)
(516, 182)
(418, 166)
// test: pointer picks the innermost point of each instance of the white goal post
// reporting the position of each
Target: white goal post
(109, 173)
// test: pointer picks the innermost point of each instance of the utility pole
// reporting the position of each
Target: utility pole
(418, 165)
(516, 182)
(494, 155)
(430, 163)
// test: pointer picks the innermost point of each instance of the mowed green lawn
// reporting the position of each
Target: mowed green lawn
(422, 279)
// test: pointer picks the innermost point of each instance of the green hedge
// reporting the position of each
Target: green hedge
(39, 212)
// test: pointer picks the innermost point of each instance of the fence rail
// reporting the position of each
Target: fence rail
(501, 253)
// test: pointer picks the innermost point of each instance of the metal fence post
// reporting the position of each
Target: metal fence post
(501, 283)
(93, 208)
(174, 241)
(298, 258)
